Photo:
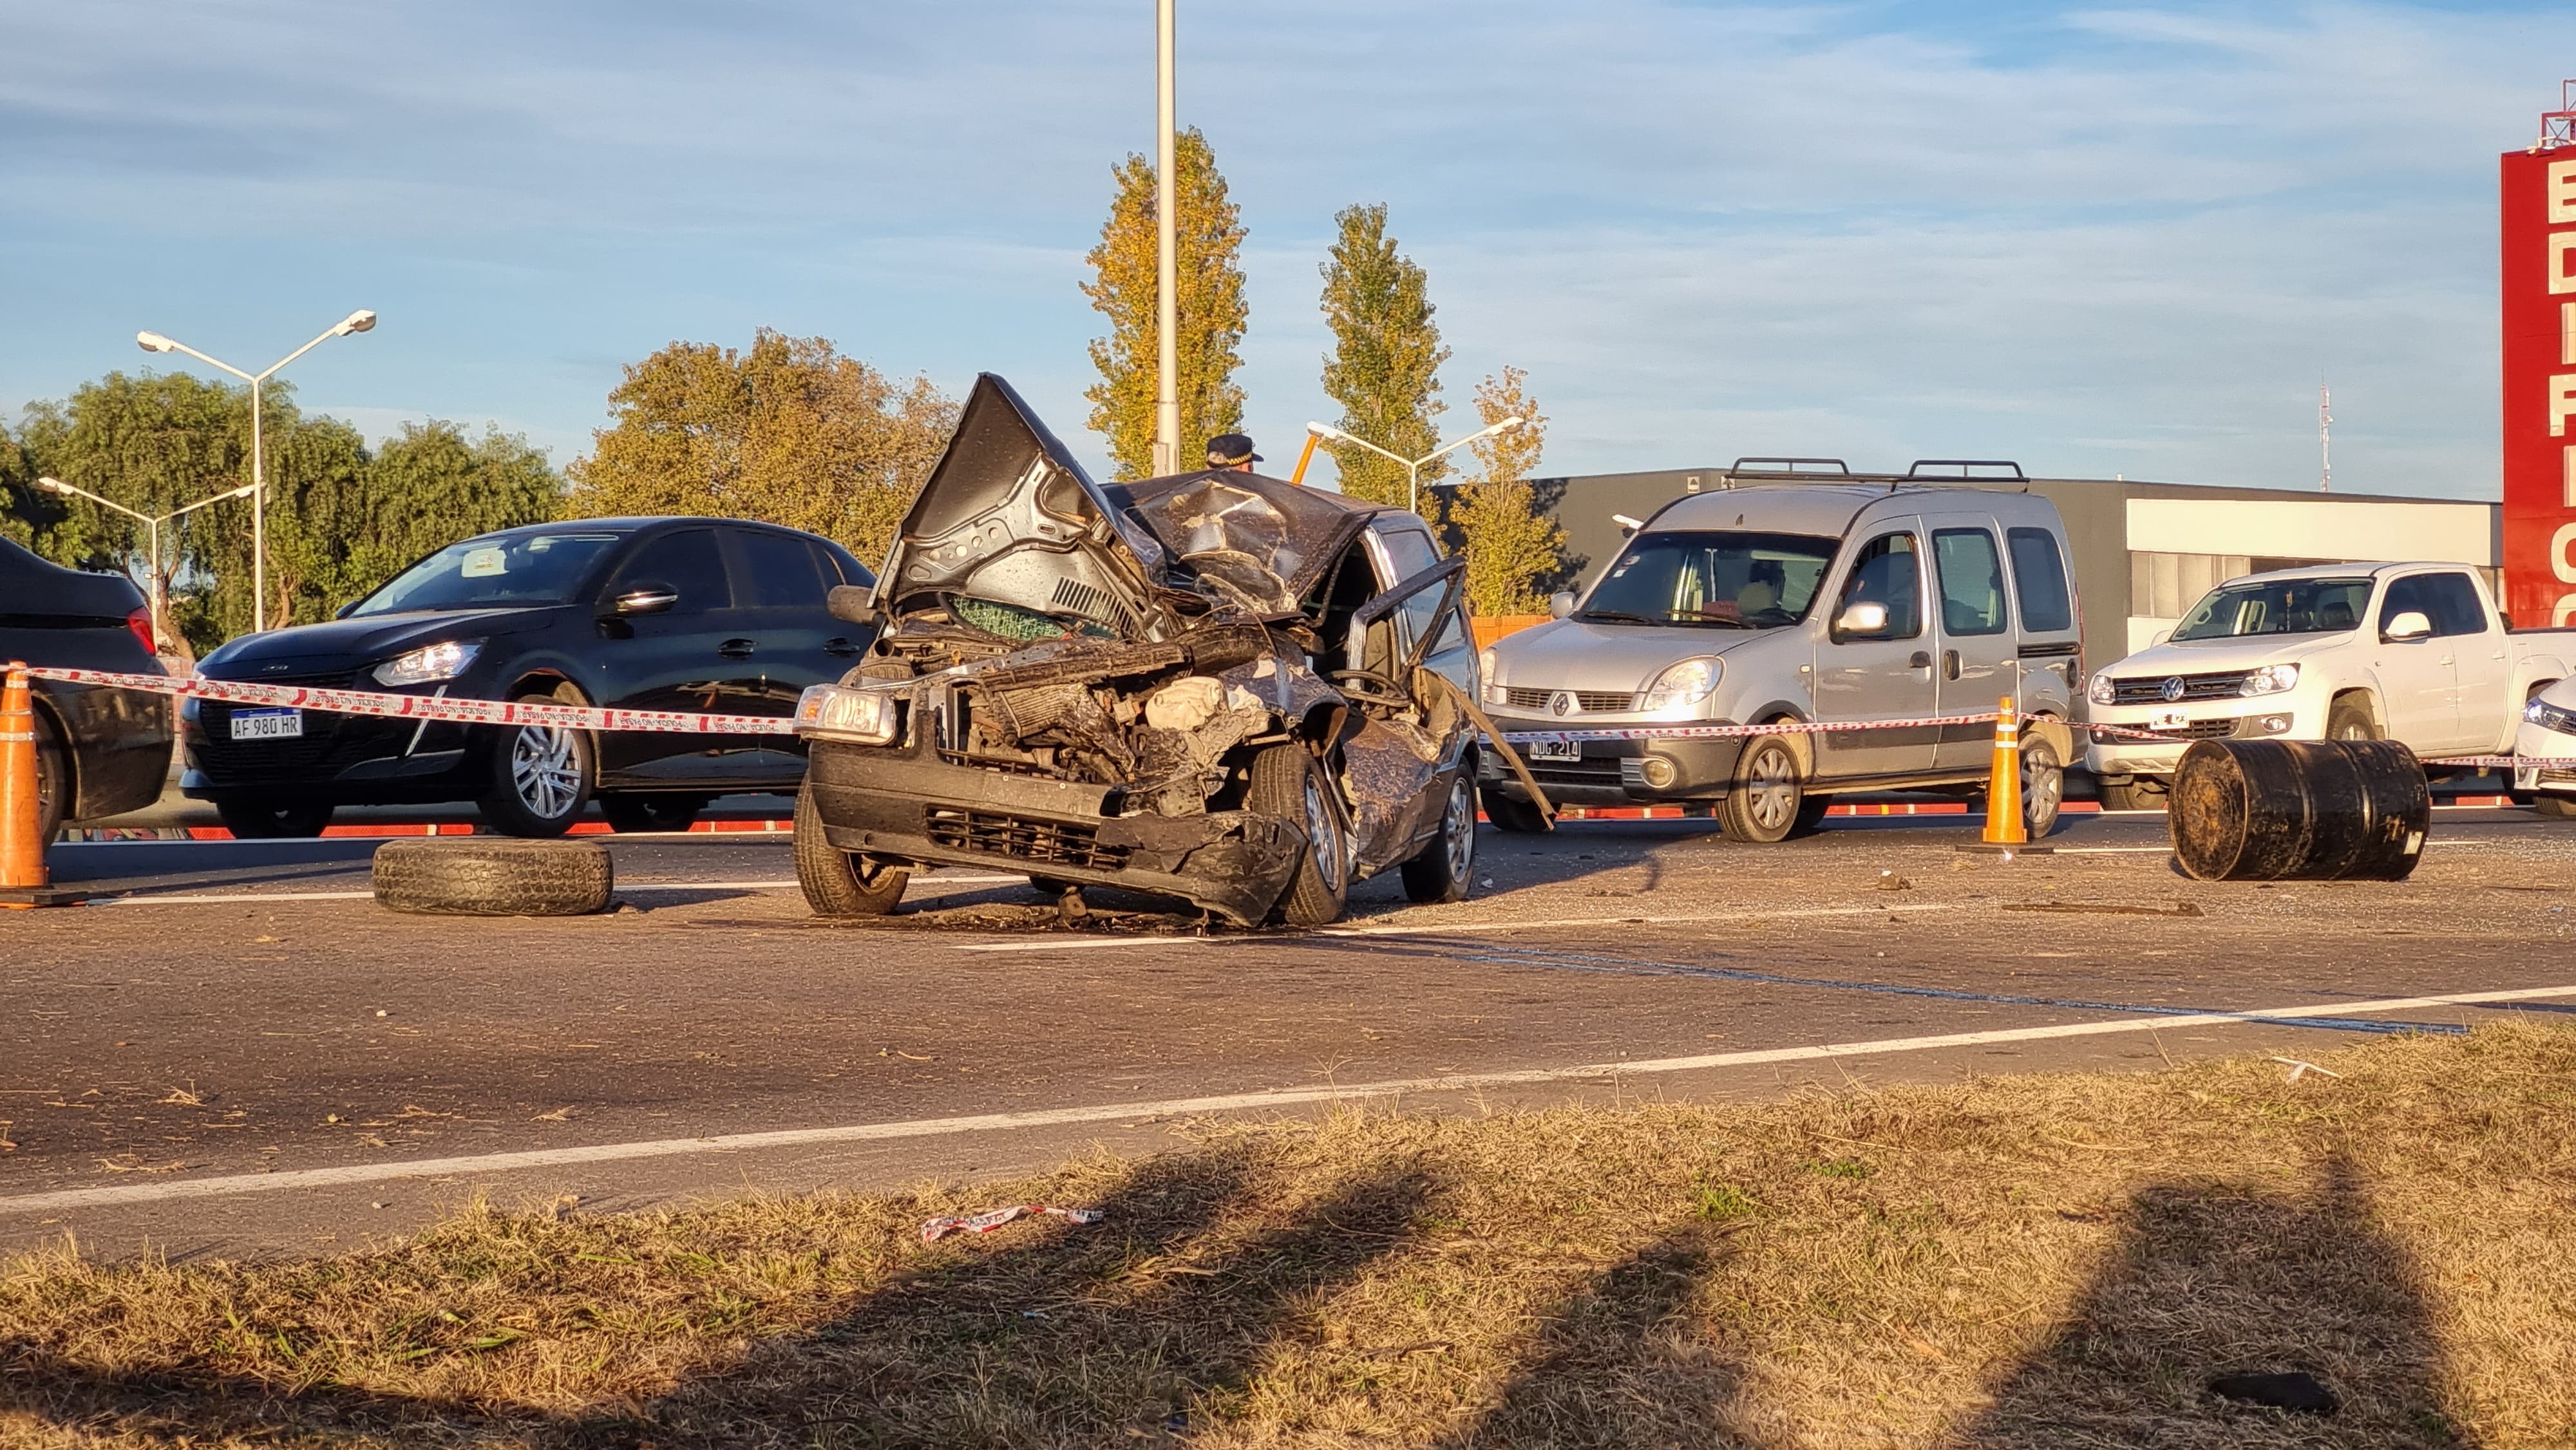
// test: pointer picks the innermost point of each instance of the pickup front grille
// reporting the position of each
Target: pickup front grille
(2194, 730)
(1021, 838)
(2194, 687)
(1589, 702)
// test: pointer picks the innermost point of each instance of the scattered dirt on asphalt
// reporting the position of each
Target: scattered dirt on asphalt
(2034, 1261)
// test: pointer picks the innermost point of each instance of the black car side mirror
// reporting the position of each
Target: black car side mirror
(852, 603)
(647, 599)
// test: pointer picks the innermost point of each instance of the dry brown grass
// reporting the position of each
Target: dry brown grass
(2044, 1261)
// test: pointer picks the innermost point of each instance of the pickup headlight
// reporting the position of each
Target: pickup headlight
(861, 717)
(429, 663)
(1687, 683)
(2270, 680)
(2550, 717)
(2102, 691)
(1485, 672)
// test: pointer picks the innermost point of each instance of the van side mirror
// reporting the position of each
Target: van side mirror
(1862, 619)
(1560, 604)
(2410, 625)
(2159, 637)
(851, 603)
(646, 599)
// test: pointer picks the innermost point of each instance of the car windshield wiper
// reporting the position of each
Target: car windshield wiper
(1619, 616)
(1719, 620)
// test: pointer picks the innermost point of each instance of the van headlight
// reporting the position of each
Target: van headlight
(2270, 680)
(2102, 691)
(1684, 684)
(861, 717)
(429, 663)
(2550, 717)
(1485, 672)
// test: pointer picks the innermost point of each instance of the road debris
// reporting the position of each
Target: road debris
(983, 1223)
(2298, 1068)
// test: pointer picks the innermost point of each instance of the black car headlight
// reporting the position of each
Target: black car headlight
(429, 664)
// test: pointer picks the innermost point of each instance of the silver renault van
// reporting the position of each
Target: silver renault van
(1828, 603)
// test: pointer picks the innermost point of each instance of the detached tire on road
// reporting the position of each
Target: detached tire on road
(494, 877)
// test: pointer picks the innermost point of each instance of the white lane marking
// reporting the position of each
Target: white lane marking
(1450, 928)
(192, 899)
(1220, 1103)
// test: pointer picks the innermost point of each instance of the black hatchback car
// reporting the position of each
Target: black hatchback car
(720, 616)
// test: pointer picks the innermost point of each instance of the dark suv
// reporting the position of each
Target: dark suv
(719, 616)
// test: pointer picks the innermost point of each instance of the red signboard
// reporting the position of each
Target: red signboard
(2539, 290)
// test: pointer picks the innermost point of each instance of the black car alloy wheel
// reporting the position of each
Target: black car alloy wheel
(541, 778)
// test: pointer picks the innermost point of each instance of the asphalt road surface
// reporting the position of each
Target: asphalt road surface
(241, 1053)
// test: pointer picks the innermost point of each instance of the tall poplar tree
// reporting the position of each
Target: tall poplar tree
(1385, 365)
(1210, 296)
(1512, 549)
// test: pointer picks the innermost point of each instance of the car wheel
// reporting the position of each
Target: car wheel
(835, 882)
(2135, 794)
(270, 821)
(2555, 806)
(1289, 782)
(2349, 719)
(1512, 816)
(628, 813)
(1446, 866)
(53, 781)
(541, 778)
(1769, 791)
(2043, 787)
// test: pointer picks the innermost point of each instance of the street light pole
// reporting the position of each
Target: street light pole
(1167, 255)
(1412, 466)
(160, 628)
(358, 321)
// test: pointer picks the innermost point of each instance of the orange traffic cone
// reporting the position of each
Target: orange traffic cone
(23, 878)
(2006, 834)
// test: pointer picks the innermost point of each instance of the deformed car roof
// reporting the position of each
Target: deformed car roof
(1262, 541)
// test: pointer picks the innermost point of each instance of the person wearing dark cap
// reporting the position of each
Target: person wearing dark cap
(1232, 450)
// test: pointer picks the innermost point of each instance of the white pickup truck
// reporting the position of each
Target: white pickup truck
(2409, 652)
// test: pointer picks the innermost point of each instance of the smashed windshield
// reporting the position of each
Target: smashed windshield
(1722, 577)
(2280, 606)
(1233, 539)
(479, 573)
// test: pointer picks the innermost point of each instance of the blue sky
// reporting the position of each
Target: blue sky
(2097, 240)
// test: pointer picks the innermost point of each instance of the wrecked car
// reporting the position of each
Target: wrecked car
(1213, 686)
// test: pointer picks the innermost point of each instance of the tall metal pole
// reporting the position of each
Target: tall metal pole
(155, 567)
(258, 520)
(1167, 259)
(2325, 439)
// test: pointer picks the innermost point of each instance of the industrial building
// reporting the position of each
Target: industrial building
(2143, 552)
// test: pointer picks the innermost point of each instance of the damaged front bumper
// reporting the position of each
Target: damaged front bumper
(905, 804)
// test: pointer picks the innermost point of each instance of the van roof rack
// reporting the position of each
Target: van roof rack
(1801, 467)
(1966, 467)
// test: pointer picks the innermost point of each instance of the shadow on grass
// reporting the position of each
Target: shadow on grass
(1622, 1363)
(2210, 1281)
(1058, 1335)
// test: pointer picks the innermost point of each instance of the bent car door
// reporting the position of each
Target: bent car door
(1980, 659)
(1885, 674)
(1389, 764)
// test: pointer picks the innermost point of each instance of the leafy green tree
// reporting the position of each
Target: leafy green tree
(790, 432)
(23, 510)
(340, 520)
(1209, 294)
(1385, 366)
(1512, 549)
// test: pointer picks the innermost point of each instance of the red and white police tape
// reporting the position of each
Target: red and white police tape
(587, 717)
(428, 707)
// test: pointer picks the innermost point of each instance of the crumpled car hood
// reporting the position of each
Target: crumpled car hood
(1244, 539)
(1009, 516)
